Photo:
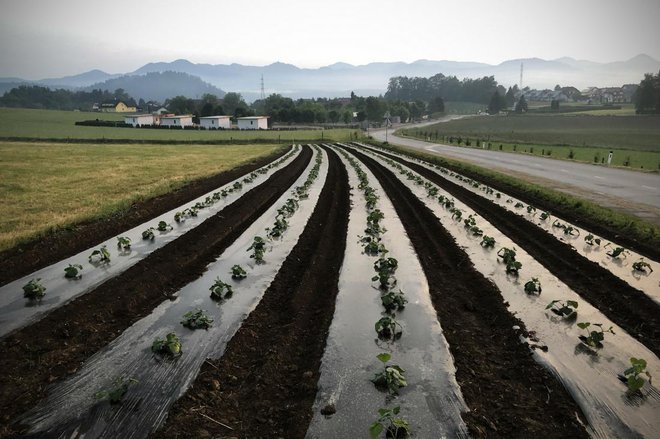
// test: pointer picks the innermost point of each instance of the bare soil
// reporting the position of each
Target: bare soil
(56, 346)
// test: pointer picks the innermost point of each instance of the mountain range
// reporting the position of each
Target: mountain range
(339, 79)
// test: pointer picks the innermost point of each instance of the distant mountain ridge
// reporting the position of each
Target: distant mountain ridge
(339, 79)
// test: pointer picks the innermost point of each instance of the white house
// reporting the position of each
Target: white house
(177, 121)
(253, 123)
(215, 122)
(139, 119)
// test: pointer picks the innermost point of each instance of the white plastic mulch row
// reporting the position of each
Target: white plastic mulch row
(590, 375)
(646, 281)
(71, 409)
(432, 402)
(16, 311)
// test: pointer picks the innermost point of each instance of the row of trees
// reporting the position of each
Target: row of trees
(33, 96)
(449, 88)
(647, 96)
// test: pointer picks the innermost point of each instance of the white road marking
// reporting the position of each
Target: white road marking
(564, 170)
(599, 177)
(649, 187)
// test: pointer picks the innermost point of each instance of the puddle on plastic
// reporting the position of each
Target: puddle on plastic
(647, 282)
(432, 401)
(71, 408)
(17, 311)
(589, 375)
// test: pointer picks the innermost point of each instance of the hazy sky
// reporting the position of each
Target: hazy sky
(51, 38)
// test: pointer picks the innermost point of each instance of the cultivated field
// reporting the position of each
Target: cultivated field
(52, 124)
(53, 185)
(635, 140)
(333, 291)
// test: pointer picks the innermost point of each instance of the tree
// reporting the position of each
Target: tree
(647, 96)
(437, 105)
(180, 105)
(521, 106)
(510, 97)
(333, 116)
(207, 110)
(497, 103)
(554, 105)
(557, 87)
(347, 117)
(233, 103)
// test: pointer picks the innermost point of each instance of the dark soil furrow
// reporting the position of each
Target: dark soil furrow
(54, 347)
(508, 393)
(624, 305)
(65, 242)
(265, 383)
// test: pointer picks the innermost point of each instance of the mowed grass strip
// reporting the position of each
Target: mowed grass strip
(55, 124)
(47, 185)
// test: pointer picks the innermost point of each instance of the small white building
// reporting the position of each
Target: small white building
(253, 123)
(139, 119)
(215, 122)
(184, 120)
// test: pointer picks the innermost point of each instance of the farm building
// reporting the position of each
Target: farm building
(177, 121)
(139, 119)
(116, 107)
(253, 123)
(215, 122)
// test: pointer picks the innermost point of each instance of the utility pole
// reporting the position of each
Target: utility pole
(263, 92)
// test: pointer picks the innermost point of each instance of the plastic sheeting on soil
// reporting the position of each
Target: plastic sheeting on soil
(589, 375)
(647, 282)
(432, 401)
(17, 311)
(71, 409)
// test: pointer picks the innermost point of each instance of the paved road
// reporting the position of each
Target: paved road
(635, 192)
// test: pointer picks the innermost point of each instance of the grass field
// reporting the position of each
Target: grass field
(635, 140)
(53, 124)
(46, 185)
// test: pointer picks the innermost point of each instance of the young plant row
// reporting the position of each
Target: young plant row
(34, 290)
(594, 332)
(392, 377)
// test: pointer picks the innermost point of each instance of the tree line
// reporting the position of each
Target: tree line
(34, 96)
(647, 96)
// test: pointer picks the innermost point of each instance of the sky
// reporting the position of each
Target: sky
(52, 38)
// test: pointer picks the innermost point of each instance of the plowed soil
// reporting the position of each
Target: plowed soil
(54, 347)
(265, 383)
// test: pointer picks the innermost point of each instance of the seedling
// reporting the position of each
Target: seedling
(393, 301)
(509, 258)
(278, 229)
(73, 271)
(642, 265)
(33, 290)
(469, 222)
(519, 205)
(385, 267)
(258, 248)
(533, 286)
(614, 254)
(394, 427)
(117, 392)
(456, 214)
(237, 272)
(179, 216)
(220, 290)
(476, 231)
(391, 378)
(148, 234)
(487, 242)
(594, 338)
(373, 246)
(100, 256)
(123, 243)
(566, 309)
(388, 328)
(170, 346)
(196, 320)
(164, 227)
(531, 209)
(632, 376)
(591, 240)
(544, 216)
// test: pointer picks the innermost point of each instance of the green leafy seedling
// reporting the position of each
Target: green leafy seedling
(116, 393)
(469, 222)
(533, 286)
(509, 258)
(196, 320)
(123, 243)
(631, 376)
(388, 328)
(476, 231)
(388, 421)
(258, 248)
(100, 256)
(164, 227)
(566, 309)
(73, 271)
(593, 338)
(393, 301)
(385, 269)
(148, 234)
(519, 205)
(170, 346)
(391, 378)
(33, 290)
(237, 272)
(531, 209)
(544, 216)
(487, 241)
(220, 290)
(618, 251)
(456, 214)
(641, 266)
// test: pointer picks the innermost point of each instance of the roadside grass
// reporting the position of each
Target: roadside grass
(45, 186)
(54, 124)
(620, 223)
(634, 140)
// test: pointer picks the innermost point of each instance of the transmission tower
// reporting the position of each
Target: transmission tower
(263, 92)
